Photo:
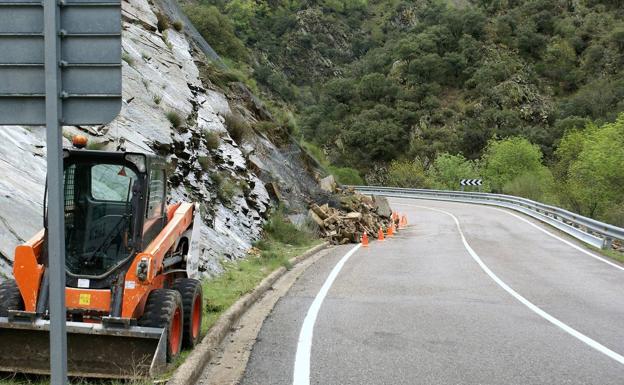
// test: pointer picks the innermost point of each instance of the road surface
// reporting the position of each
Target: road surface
(509, 303)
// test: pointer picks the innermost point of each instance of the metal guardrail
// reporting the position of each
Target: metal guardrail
(590, 231)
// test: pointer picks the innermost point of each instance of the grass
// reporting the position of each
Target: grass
(237, 127)
(226, 190)
(23, 379)
(162, 22)
(205, 162)
(156, 99)
(212, 140)
(243, 276)
(178, 25)
(610, 253)
(174, 118)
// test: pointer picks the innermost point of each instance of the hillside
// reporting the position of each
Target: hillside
(394, 88)
(176, 104)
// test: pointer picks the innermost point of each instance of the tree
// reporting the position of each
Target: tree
(505, 160)
(447, 170)
(596, 176)
(375, 87)
(407, 173)
(217, 30)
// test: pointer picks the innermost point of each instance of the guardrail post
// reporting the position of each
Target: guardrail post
(608, 243)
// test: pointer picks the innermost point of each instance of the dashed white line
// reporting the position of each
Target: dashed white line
(301, 375)
(573, 332)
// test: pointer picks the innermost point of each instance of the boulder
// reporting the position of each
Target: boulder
(328, 184)
(382, 207)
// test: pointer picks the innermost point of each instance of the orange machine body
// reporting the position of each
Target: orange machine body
(28, 271)
(135, 290)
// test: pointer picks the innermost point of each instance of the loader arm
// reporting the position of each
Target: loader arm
(136, 289)
(28, 270)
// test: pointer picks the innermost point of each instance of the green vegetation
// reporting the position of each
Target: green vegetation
(237, 127)
(162, 22)
(406, 173)
(425, 93)
(174, 118)
(282, 241)
(178, 25)
(447, 170)
(226, 189)
(217, 30)
(213, 139)
(205, 162)
(23, 379)
(343, 175)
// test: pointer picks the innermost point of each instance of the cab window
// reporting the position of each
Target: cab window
(156, 194)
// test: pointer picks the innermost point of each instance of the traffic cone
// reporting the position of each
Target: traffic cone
(391, 230)
(403, 221)
(365, 240)
(380, 234)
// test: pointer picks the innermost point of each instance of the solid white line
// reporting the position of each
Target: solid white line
(301, 374)
(577, 247)
(573, 332)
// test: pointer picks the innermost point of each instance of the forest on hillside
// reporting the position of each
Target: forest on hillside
(525, 94)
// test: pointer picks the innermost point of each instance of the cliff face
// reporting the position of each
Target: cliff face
(170, 110)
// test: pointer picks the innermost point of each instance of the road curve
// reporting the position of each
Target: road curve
(428, 307)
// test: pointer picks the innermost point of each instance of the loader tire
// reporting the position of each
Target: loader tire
(192, 302)
(163, 309)
(10, 298)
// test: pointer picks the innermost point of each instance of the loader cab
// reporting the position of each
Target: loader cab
(114, 206)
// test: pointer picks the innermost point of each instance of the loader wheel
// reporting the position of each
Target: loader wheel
(163, 309)
(10, 298)
(192, 301)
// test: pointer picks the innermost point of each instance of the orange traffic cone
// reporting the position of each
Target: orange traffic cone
(380, 234)
(365, 240)
(403, 221)
(391, 230)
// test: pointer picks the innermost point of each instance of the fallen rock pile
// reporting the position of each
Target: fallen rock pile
(355, 215)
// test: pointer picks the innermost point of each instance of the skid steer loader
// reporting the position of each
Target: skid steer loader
(131, 295)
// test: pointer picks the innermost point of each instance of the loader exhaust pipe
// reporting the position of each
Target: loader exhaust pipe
(93, 350)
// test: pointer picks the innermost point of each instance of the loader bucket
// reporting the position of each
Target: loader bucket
(92, 349)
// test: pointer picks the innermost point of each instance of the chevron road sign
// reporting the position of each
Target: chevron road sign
(471, 182)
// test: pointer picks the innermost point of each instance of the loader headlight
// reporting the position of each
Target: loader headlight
(142, 269)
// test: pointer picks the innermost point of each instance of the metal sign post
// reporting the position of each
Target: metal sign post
(56, 223)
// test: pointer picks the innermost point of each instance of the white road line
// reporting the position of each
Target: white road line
(301, 374)
(571, 244)
(573, 332)
(577, 247)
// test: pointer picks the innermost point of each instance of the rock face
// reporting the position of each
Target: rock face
(162, 88)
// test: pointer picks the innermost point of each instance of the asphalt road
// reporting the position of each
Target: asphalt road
(519, 307)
